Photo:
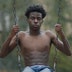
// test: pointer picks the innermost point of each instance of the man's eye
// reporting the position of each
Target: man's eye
(39, 18)
(32, 18)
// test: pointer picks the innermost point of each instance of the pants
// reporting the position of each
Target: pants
(37, 68)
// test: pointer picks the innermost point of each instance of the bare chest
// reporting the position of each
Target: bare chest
(36, 43)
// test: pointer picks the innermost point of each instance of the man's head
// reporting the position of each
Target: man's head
(35, 15)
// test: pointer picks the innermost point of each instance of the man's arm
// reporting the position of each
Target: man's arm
(10, 43)
(62, 45)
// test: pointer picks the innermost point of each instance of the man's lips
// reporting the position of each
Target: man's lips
(36, 26)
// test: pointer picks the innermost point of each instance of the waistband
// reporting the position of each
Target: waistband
(40, 67)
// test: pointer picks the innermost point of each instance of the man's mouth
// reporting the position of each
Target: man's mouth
(36, 26)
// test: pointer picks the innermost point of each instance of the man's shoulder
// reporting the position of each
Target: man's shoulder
(21, 33)
(50, 33)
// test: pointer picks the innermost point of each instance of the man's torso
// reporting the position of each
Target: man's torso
(35, 49)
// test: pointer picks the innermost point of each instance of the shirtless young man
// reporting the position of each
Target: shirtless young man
(35, 45)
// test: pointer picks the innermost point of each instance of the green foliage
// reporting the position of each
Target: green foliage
(70, 39)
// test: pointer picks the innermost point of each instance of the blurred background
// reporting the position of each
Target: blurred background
(9, 63)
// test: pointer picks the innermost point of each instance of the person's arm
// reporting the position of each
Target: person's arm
(62, 44)
(10, 43)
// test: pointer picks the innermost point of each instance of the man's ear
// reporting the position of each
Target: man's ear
(42, 21)
(26, 19)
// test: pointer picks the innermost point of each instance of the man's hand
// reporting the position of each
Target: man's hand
(14, 30)
(58, 28)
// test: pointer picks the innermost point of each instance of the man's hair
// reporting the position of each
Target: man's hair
(35, 8)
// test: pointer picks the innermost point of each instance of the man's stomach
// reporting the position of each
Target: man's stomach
(36, 59)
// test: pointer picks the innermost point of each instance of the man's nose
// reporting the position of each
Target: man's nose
(35, 20)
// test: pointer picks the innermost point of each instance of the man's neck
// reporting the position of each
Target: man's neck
(34, 32)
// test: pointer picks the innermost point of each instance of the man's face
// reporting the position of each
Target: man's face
(35, 20)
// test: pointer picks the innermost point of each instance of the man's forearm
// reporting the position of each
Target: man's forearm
(65, 43)
(5, 47)
(0, 55)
